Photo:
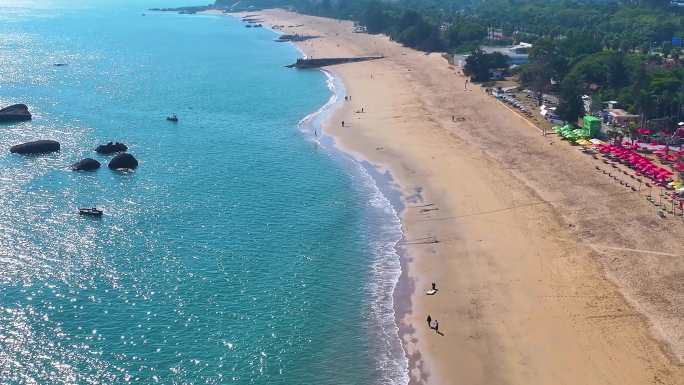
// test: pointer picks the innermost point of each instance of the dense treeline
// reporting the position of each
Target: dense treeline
(611, 50)
(455, 24)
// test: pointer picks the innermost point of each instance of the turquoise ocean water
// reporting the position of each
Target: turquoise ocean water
(240, 251)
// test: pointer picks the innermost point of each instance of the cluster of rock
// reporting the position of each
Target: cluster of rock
(122, 160)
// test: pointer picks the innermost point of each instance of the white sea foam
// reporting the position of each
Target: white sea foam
(385, 266)
(314, 119)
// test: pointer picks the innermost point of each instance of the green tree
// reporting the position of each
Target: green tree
(570, 107)
(548, 60)
(374, 17)
(479, 64)
(464, 31)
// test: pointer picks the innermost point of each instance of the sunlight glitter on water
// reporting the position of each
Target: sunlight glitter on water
(237, 251)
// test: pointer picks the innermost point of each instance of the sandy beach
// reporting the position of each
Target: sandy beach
(548, 271)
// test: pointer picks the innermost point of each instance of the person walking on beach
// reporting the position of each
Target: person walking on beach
(434, 286)
(343, 123)
(465, 86)
(436, 327)
(429, 321)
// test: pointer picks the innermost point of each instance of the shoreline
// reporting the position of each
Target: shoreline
(525, 296)
(400, 293)
(384, 184)
(381, 185)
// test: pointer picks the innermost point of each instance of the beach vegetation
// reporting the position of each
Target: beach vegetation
(571, 107)
(479, 64)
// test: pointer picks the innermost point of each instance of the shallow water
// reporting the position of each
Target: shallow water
(239, 251)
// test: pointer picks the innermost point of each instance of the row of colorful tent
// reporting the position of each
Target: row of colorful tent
(666, 155)
(572, 133)
(638, 162)
(591, 128)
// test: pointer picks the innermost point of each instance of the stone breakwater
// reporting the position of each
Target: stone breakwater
(323, 62)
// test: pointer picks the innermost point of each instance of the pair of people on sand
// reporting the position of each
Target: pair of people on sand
(432, 291)
(435, 327)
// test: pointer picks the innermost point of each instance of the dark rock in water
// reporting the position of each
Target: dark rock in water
(87, 164)
(15, 113)
(111, 148)
(123, 161)
(37, 147)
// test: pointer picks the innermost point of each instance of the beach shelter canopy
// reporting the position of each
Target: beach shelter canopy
(639, 162)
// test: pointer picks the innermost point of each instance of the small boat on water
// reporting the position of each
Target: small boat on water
(93, 212)
(172, 118)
